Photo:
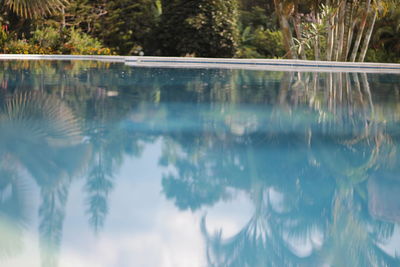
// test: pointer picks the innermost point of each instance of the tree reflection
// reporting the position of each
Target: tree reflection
(100, 103)
(259, 243)
(323, 141)
(60, 121)
(41, 137)
(13, 209)
(110, 143)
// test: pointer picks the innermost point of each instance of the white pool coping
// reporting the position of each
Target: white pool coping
(255, 64)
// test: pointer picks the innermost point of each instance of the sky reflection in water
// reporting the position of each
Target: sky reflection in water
(107, 165)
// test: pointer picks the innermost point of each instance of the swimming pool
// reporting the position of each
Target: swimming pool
(104, 164)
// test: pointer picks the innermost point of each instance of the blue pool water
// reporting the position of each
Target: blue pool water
(103, 164)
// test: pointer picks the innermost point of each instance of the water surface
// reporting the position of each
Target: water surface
(103, 164)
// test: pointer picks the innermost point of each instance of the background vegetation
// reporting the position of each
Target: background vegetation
(343, 30)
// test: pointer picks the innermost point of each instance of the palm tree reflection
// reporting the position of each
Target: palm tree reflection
(259, 243)
(322, 172)
(13, 209)
(41, 138)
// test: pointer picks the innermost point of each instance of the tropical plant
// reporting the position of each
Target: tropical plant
(3, 36)
(83, 44)
(385, 43)
(260, 43)
(34, 8)
(338, 30)
(47, 38)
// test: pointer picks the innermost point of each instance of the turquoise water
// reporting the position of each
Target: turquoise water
(103, 164)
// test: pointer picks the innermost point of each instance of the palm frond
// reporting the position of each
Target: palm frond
(35, 8)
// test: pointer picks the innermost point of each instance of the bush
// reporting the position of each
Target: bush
(17, 47)
(24, 47)
(50, 39)
(248, 52)
(261, 43)
(83, 44)
(3, 38)
(381, 55)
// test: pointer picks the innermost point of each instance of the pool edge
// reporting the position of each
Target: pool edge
(255, 64)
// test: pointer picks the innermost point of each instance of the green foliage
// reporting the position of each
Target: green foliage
(48, 38)
(261, 43)
(3, 37)
(52, 41)
(83, 44)
(18, 47)
(248, 5)
(258, 16)
(260, 37)
(82, 14)
(205, 28)
(385, 45)
(382, 55)
(128, 35)
(122, 25)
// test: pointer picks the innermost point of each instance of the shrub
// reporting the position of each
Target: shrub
(83, 44)
(17, 47)
(261, 43)
(50, 39)
(3, 37)
(248, 52)
(24, 47)
(381, 55)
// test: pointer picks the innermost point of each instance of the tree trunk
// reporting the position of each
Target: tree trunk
(298, 30)
(350, 39)
(330, 32)
(335, 35)
(286, 31)
(364, 8)
(367, 38)
(316, 41)
(342, 11)
(63, 18)
(347, 26)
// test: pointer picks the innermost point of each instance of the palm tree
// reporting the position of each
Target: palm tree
(34, 8)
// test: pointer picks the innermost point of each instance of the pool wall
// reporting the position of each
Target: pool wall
(258, 64)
